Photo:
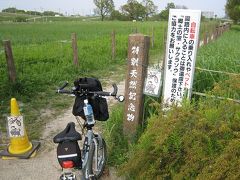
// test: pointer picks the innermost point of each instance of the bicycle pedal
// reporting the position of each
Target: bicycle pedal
(68, 176)
(92, 176)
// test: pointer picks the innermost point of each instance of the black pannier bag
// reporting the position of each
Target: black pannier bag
(99, 104)
(69, 151)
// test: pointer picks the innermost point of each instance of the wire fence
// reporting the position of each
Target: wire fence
(214, 71)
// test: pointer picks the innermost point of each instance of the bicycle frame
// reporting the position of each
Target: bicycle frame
(87, 142)
(90, 139)
(85, 153)
(93, 153)
(97, 144)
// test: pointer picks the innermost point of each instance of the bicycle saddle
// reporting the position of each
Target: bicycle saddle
(68, 134)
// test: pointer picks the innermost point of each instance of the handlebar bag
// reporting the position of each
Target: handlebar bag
(90, 84)
(99, 104)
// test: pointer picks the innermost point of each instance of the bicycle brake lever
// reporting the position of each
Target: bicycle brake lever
(65, 84)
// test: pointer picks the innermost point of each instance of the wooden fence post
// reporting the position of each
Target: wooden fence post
(113, 44)
(135, 30)
(75, 49)
(216, 33)
(152, 37)
(138, 50)
(205, 38)
(212, 34)
(164, 47)
(221, 30)
(10, 62)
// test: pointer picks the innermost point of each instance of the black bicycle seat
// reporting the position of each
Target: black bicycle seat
(68, 134)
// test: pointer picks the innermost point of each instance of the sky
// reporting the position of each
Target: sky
(84, 7)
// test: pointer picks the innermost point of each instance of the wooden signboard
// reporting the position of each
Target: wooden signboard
(138, 48)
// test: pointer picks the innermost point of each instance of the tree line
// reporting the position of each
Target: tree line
(36, 13)
(133, 10)
(232, 9)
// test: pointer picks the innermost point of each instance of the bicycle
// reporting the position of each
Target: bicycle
(92, 158)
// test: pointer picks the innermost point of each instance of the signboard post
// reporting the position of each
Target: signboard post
(181, 49)
(138, 48)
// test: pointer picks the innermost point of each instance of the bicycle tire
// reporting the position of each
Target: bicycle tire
(101, 158)
(88, 170)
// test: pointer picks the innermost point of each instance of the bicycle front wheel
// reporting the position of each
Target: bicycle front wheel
(87, 170)
(99, 157)
(96, 160)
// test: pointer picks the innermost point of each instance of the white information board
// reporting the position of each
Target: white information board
(181, 49)
(152, 82)
(15, 126)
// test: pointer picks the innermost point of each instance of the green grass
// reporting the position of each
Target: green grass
(63, 18)
(43, 59)
(207, 26)
(199, 140)
(195, 141)
(11, 17)
(221, 55)
(113, 133)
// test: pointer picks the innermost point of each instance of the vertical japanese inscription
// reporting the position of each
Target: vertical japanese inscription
(138, 48)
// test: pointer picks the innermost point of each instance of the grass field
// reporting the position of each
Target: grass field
(221, 55)
(18, 17)
(43, 60)
(10, 17)
(198, 140)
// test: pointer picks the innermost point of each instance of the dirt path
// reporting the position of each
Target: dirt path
(45, 165)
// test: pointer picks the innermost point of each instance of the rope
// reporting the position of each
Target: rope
(218, 97)
(222, 72)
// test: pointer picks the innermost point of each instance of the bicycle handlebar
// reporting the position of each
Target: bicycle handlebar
(99, 93)
(63, 91)
(65, 85)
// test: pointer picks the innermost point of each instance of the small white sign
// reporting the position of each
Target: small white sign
(15, 126)
(152, 82)
(181, 49)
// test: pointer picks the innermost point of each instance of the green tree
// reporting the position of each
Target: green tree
(33, 13)
(116, 15)
(165, 13)
(50, 13)
(150, 8)
(104, 7)
(232, 9)
(20, 19)
(134, 10)
(181, 7)
(10, 10)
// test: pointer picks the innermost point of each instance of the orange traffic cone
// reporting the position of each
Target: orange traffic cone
(20, 146)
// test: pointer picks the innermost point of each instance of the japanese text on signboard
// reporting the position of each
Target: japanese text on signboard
(180, 55)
